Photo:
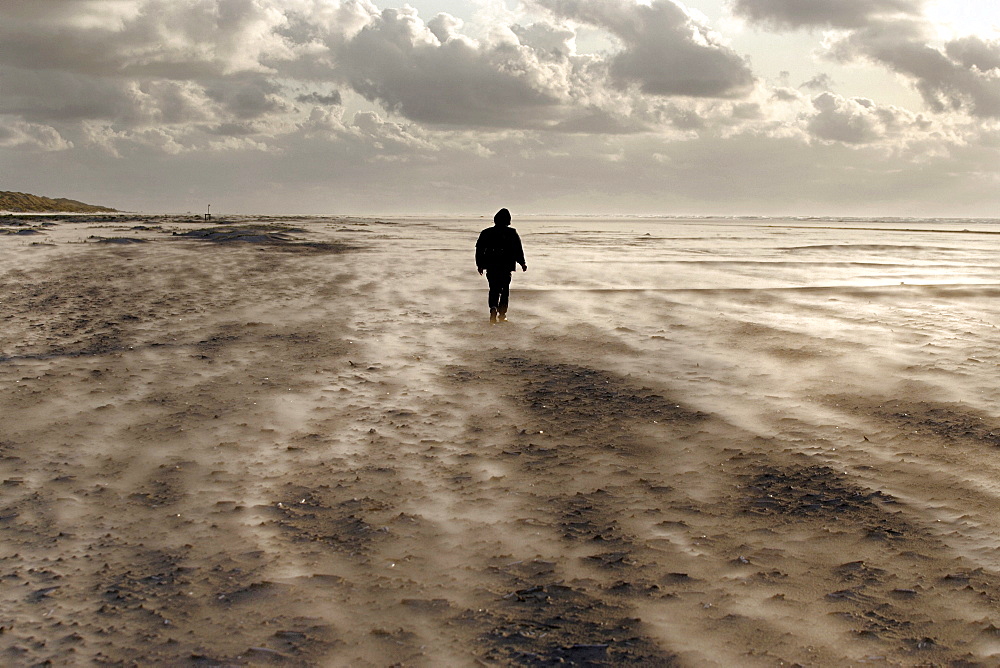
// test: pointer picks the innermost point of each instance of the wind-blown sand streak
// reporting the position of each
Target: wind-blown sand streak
(311, 447)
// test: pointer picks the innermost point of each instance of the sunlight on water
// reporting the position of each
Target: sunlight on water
(671, 254)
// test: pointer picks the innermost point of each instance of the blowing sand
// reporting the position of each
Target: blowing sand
(697, 443)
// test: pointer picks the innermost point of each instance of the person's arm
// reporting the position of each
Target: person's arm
(480, 253)
(520, 251)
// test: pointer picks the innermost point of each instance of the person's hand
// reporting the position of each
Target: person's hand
(480, 270)
(524, 267)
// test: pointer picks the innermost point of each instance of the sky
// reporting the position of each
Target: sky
(459, 107)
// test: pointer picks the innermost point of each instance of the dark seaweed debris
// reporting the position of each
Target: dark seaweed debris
(255, 234)
(275, 236)
(808, 490)
(124, 241)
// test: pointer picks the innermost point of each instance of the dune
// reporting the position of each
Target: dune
(26, 203)
(696, 443)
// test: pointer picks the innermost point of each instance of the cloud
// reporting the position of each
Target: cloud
(394, 141)
(819, 82)
(246, 96)
(140, 65)
(602, 122)
(399, 62)
(959, 78)
(333, 166)
(549, 42)
(785, 94)
(331, 99)
(822, 13)
(15, 133)
(857, 121)
(666, 50)
(964, 76)
(180, 39)
(844, 120)
(445, 27)
(320, 101)
(236, 66)
(241, 67)
(975, 52)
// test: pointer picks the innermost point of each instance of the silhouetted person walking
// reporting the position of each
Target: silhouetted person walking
(498, 252)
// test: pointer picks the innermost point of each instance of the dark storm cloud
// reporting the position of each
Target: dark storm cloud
(847, 121)
(185, 66)
(975, 52)
(857, 121)
(331, 99)
(818, 83)
(134, 66)
(783, 94)
(54, 96)
(821, 13)
(397, 61)
(146, 38)
(241, 129)
(666, 51)
(247, 96)
(949, 80)
(894, 34)
(601, 122)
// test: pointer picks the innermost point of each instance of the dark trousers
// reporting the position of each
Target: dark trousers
(499, 289)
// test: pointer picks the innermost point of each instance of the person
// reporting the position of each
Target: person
(498, 252)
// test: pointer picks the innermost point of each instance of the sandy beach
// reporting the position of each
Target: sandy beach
(299, 441)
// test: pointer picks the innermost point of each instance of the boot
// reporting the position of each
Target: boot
(501, 316)
(493, 316)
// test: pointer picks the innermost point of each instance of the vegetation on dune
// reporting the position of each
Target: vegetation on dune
(25, 203)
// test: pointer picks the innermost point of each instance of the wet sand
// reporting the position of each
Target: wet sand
(697, 443)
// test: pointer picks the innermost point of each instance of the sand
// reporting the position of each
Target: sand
(300, 442)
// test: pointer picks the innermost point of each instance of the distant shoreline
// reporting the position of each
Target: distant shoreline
(785, 221)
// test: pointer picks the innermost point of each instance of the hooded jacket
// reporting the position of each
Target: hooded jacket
(499, 249)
